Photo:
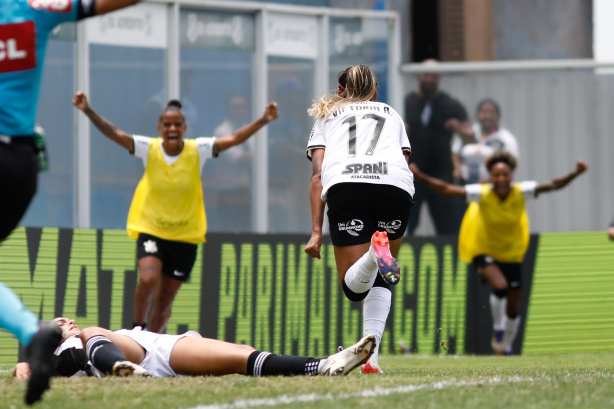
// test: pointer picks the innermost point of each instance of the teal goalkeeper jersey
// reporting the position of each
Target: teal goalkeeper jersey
(24, 29)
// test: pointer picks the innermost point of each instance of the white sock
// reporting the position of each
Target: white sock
(361, 275)
(511, 329)
(497, 309)
(375, 312)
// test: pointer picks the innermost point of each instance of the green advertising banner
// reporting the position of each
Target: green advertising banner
(263, 290)
(572, 297)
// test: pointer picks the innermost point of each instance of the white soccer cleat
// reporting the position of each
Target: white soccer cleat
(127, 368)
(343, 362)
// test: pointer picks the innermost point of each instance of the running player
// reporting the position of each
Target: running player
(167, 215)
(494, 235)
(142, 353)
(359, 151)
(24, 29)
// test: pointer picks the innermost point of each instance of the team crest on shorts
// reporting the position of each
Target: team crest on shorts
(390, 227)
(150, 246)
(352, 227)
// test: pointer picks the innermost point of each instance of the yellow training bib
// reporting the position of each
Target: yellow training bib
(168, 202)
(495, 227)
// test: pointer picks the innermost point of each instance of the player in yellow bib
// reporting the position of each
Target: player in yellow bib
(494, 234)
(167, 214)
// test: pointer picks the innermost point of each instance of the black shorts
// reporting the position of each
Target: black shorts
(177, 257)
(18, 177)
(357, 210)
(511, 271)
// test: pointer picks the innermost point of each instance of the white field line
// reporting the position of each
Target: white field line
(369, 393)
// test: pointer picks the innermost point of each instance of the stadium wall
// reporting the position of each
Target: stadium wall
(263, 290)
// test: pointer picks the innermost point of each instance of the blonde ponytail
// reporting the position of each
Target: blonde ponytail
(356, 84)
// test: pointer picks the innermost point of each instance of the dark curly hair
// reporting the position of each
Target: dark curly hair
(500, 156)
(174, 105)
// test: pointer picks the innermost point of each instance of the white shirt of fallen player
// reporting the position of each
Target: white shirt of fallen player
(473, 155)
(204, 145)
(364, 143)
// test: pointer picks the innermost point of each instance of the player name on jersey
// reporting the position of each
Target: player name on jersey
(361, 106)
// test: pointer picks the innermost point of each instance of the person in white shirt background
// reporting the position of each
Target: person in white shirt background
(489, 136)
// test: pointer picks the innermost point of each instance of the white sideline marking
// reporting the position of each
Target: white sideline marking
(369, 393)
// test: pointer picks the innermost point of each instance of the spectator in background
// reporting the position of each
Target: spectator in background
(611, 231)
(489, 136)
(229, 190)
(494, 235)
(287, 137)
(432, 117)
(237, 116)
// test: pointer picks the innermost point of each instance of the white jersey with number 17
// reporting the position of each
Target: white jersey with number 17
(364, 143)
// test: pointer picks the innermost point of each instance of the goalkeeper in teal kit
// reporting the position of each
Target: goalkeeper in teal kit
(24, 29)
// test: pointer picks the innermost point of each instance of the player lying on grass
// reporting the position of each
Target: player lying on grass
(144, 353)
(494, 234)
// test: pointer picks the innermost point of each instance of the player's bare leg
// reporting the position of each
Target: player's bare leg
(163, 303)
(150, 275)
(204, 356)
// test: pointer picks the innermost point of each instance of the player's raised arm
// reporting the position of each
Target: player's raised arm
(107, 128)
(241, 135)
(106, 6)
(437, 185)
(562, 181)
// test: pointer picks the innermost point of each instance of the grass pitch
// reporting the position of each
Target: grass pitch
(561, 381)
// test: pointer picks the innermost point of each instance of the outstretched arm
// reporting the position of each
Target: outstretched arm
(241, 135)
(317, 205)
(562, 181)
(104, 126)
(436, 185)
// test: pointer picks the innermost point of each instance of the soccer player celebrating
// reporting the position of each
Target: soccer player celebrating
(167, 215)
(24, 29)
(142, 353)
(359, 151)
(494, 234)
